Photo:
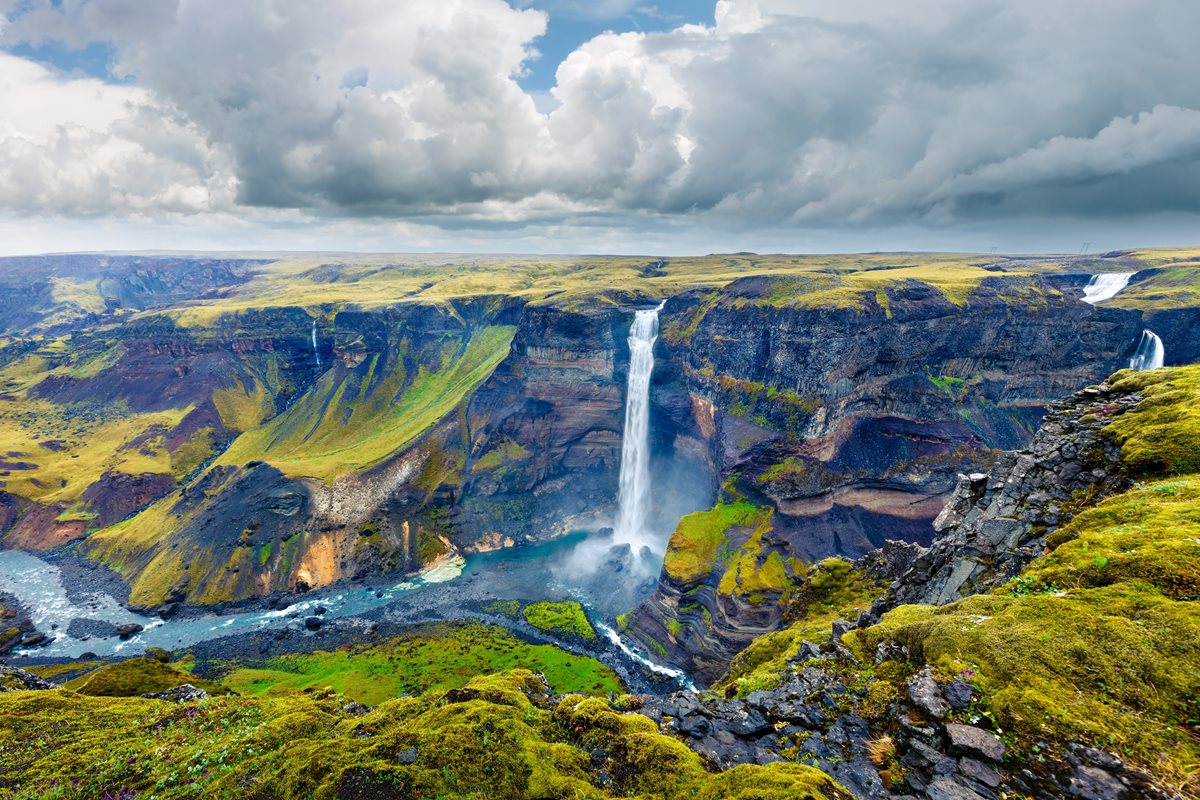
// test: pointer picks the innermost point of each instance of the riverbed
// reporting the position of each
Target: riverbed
(581, 566)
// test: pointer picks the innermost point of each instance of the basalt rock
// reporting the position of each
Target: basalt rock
(184, 693)
(994, 524)
(13, 679)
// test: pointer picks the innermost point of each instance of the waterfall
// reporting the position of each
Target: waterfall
(1149, 353)
(316, 353)
(1105, 286)
(635, 452)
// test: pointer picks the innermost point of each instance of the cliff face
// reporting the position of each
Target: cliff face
(851, 425)
(352, 477)
(545, 431)
(995, 524)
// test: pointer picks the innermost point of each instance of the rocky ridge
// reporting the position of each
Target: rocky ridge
(996, 523)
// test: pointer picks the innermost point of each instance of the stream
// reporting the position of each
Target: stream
(453, 589)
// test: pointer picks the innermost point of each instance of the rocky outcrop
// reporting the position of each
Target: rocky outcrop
(996, 523)
(853, 422)
(914, 744)
(14, 679)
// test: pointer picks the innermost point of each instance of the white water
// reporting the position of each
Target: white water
(316, 353)
(678, 675)
(1105, 286)
(634, 497)
(38, 586)
(1150, 353)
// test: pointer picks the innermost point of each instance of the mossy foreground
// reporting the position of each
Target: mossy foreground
(498, 737)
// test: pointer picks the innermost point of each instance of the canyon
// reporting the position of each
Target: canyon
(213, 442)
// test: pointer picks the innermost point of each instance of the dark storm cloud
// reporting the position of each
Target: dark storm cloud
(801, 113)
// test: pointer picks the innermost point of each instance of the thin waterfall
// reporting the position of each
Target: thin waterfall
(1149, 354)
(316, 352)
(634, 497)
(1105, 286)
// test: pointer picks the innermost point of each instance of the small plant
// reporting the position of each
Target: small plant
(881, 751)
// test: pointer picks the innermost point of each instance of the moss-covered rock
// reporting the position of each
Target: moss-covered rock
(566, 618)
(494, 738)
(136, 677)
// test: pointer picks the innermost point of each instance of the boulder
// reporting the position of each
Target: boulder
(183, 693)
(157, 654)
(128, 630)
(13, 679)
(975, 741)
(923, 690)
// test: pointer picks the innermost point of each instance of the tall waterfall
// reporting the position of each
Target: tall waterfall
(1149, 353)
(1105, 286)
(316, 352)
(634, 498)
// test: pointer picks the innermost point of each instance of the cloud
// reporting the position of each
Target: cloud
(84, 147)
(781, 114)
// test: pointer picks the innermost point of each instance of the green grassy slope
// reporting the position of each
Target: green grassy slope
(353, 419)
(438, 657)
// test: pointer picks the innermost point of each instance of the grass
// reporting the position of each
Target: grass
(497, 737)
(1174, 284)
(1099, 638)
(353, 420)
(847, 281)
(1149, 535)
(93, 440)
(565, 618)
(61, 449)
(748, 573)
(438, 657)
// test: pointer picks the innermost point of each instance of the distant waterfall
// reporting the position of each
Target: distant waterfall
(1105, 286)
(316, 352)
(634, 497)
(1149, 354)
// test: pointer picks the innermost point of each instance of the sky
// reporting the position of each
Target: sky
(599, 126)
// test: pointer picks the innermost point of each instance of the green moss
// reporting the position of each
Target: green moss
(507, 608)
(1150, 534)
(695, 546)
(505, 453)
(955, 387)
(136, 677)
(493, 738)
(338, 426)
(430, 547)
(444, 656)
(1161, 436)
(749, 574)
(567, 617)
(831, 590)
